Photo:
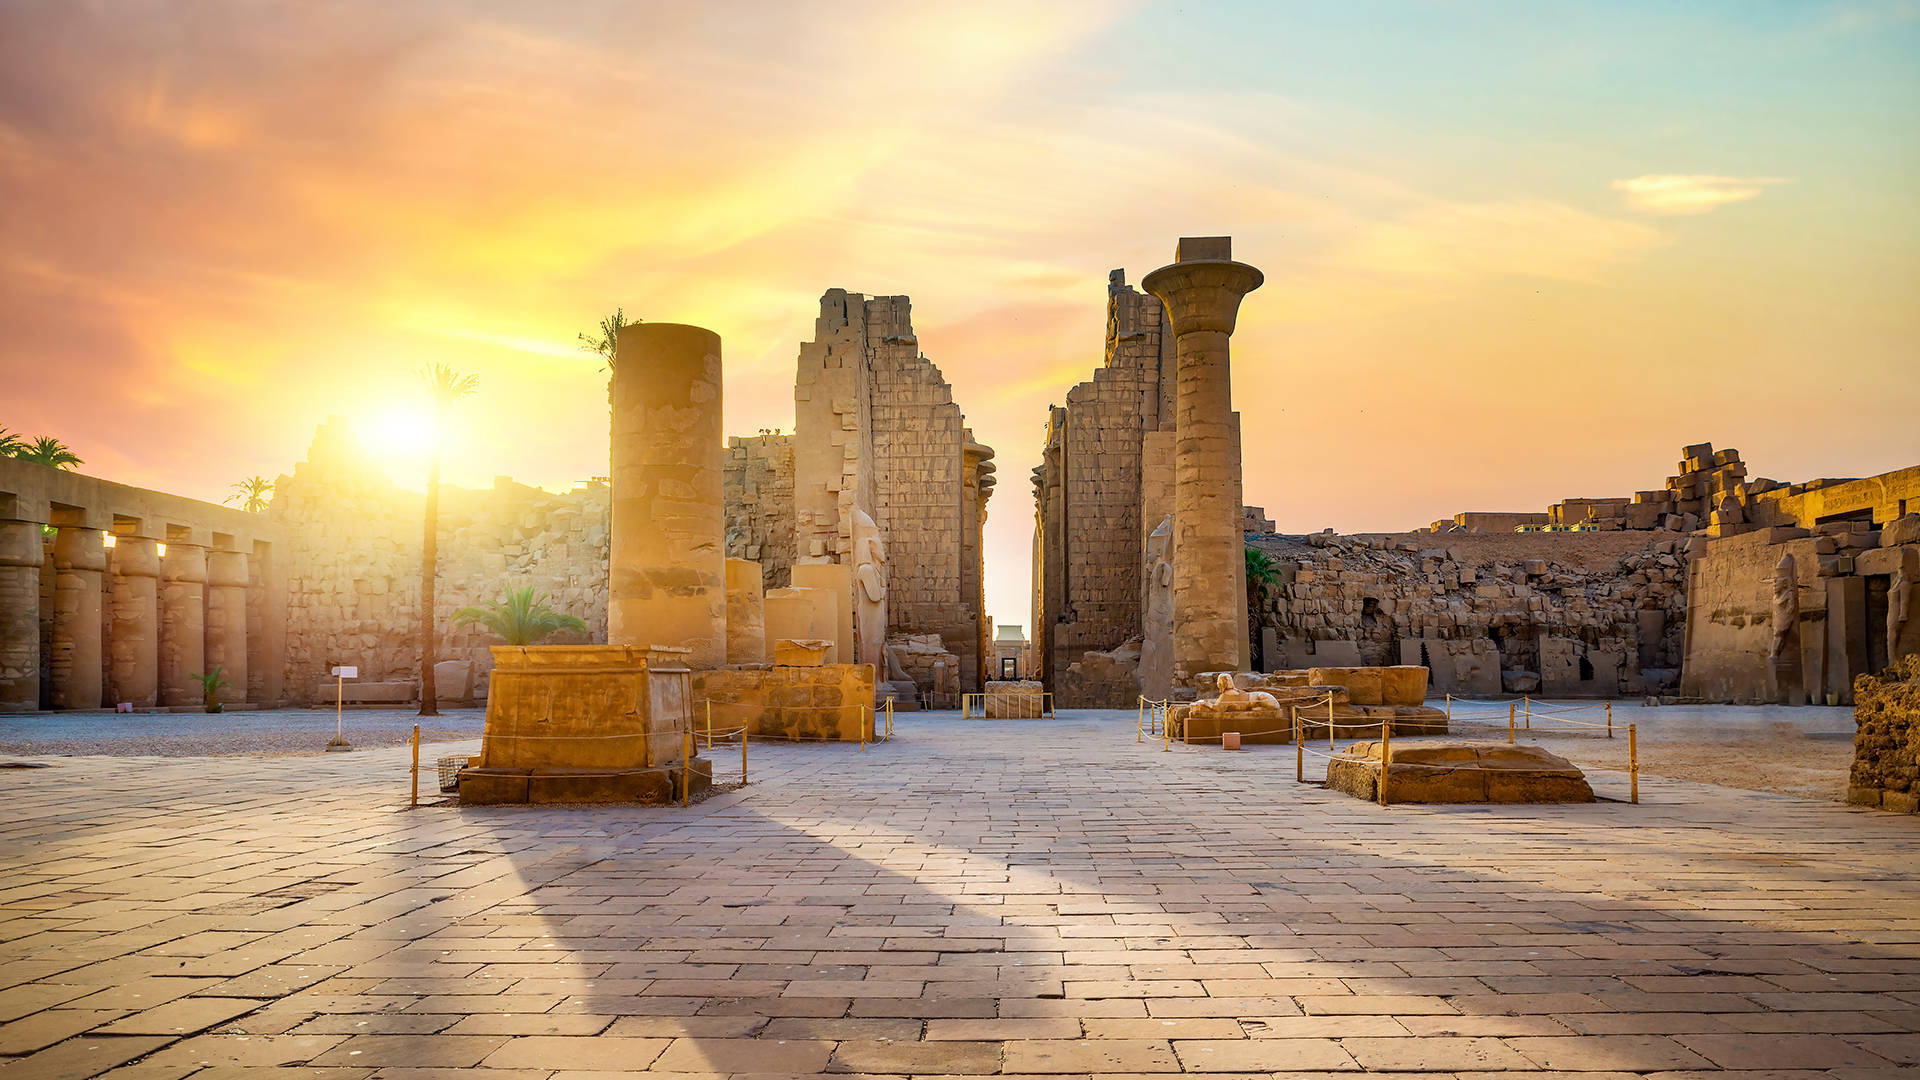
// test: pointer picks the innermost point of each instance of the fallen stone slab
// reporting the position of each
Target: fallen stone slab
(1458, 771)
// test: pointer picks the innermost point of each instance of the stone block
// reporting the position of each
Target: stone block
(807, 653)
(1459, 772)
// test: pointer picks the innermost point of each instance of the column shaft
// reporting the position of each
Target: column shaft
(79, 560)
(183, 623)
(21, 553)
(667, 582)
(227, 621)
(134, 661)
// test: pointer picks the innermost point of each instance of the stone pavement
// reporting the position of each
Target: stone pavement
(1018, 897)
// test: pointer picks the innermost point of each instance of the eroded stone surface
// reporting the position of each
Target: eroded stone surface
(1457, 771)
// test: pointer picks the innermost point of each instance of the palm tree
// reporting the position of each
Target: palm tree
(1262, 573)
(49, 451)
(522, 617)
(10, 444)
(253, 494)
(606, 338)
(446, 387)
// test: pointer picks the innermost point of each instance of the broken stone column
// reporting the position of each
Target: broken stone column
(1202, 290)
(667, 578)
(835, 585)
(21, 554)
(183, 623)
(134, 659)
(746, 613)
(227, 621)
(79, 559)
(794, 615)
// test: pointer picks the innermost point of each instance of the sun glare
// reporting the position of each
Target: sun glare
(397, 433)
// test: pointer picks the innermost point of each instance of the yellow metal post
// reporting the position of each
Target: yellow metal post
(1510, 710)
(686, 770)
(863, 731)
(709, 723)
(1633, 764)
(1528, 703)
(1299, 748)
(1609, 719)
(743, 755)
(1140, 721)
(1329, 723)
(415, 801)
(1449, 706)
(1386, 755)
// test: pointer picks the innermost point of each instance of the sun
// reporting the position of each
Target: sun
(397, 434)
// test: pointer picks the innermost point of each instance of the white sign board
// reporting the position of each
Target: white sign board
(347, 672)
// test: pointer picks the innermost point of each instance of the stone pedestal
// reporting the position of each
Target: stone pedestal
(134, 659)
(584, 723)
(746, 613)
(1202, 290)
(183, 624)
(667, 575)
(227, 621)
(21, 554)
(79, 562)
(834, 583)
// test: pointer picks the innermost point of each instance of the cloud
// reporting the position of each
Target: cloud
(1521, 238)
(1670, 193)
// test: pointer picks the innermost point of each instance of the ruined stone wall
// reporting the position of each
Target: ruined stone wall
(1582, 614)
(1090, 501)
(1886, 740)
(759, 497)
(877, 430)
(352, 560)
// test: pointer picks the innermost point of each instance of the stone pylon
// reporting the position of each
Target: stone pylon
(667, 582)
(1202, 290)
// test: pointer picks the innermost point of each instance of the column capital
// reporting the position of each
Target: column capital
(1203, 294)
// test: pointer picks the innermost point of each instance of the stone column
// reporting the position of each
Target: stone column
(183, 623)
(134, 663)
(21, 553)
(1202, 290)
(227, 621)
(746, 613)
(667, 582)
(79, 558)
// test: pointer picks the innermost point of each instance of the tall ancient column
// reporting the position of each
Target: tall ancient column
(667, 582)
(134, 659)
(1202, 290)
(183, 623)
(21, 553)
(227, 621)
(79, 560)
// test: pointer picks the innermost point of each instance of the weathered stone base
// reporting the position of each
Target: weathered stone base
(487, 787)
(1459, 772)
(1349, 722)
(1015, 700)
(831, 702)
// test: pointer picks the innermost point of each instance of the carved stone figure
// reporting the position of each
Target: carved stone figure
(1899, 605)
(870, 592)
(1786, 605)
(1156, 644)
(1234, 701)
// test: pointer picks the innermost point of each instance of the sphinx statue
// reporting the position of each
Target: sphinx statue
(869, 591)
(1233, 701)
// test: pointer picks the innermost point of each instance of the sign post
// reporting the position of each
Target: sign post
(340, 676)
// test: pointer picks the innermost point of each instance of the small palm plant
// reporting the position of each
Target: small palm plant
(1262, 573)
(521, 617)
(253, 494)
(210, 686)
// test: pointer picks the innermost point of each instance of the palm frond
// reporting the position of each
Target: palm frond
(520, 617)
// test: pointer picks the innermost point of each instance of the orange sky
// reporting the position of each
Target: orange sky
(1512, 254)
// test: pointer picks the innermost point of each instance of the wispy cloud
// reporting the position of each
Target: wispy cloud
(1676, 193)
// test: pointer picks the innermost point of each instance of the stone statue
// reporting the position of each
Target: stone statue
(1899, 604)
(1156, 643)
(1786, 605)
(869, 591)
(895, 671)
(1233, 700)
